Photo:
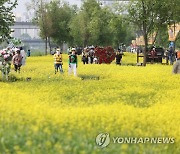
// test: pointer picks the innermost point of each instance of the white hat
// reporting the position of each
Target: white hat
(16, 49)
(73, 49)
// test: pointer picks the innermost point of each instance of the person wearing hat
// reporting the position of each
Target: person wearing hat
(58, 61)
(176, 68)
(17, 60)
(73, 62)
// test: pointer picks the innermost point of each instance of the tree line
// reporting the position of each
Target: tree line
(94, 24)
(91, 24)
(102, 25)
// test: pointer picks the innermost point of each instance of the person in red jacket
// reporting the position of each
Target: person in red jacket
(153, 54)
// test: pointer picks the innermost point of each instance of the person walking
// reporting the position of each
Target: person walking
(17, 61)
(58, 61)
(73, 62)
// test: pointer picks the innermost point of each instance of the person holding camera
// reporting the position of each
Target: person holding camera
(58, 61)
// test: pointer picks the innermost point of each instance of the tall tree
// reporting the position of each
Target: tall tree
(78, 30)
(119, 30)
(60, 14)
(173, 11)
(53, 19)
(148, 16)
(6, 18)
(41, 18)
(91, 24)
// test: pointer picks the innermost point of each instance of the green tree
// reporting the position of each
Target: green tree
(173, 10)
(41, 18)
(53, 19)
(119, 30)
(149, 16)
(105, 33)
(174, 16)
(60, 15)
(6, 18)
(162, 36)
(91, 25)
(78, 30)
(99, 25)
(83, 25)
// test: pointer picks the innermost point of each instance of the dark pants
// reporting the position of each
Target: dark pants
(171, 59)
(58, 67)
(118, 61)
(17, 67)
(91, 59)
(85, 60)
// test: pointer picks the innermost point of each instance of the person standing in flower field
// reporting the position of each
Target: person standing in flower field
(73, 62)
(5, 62)
(17, 61)
(23, 53)
(171, 55)
(176, 68)
(29, 53)
(153, 54)
(118, 58)
(58, 61)
(85, 56)
(91, 55)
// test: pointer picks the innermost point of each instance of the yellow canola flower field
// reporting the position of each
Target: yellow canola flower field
(44, 113)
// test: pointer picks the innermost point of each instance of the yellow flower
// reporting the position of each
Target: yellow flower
(29, 143)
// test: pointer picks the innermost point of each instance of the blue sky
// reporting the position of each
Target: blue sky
(21, 8)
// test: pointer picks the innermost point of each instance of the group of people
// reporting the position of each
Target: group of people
(19, 57)
(88, 55)
(58, 62)
(15, 56)
(170, 55)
